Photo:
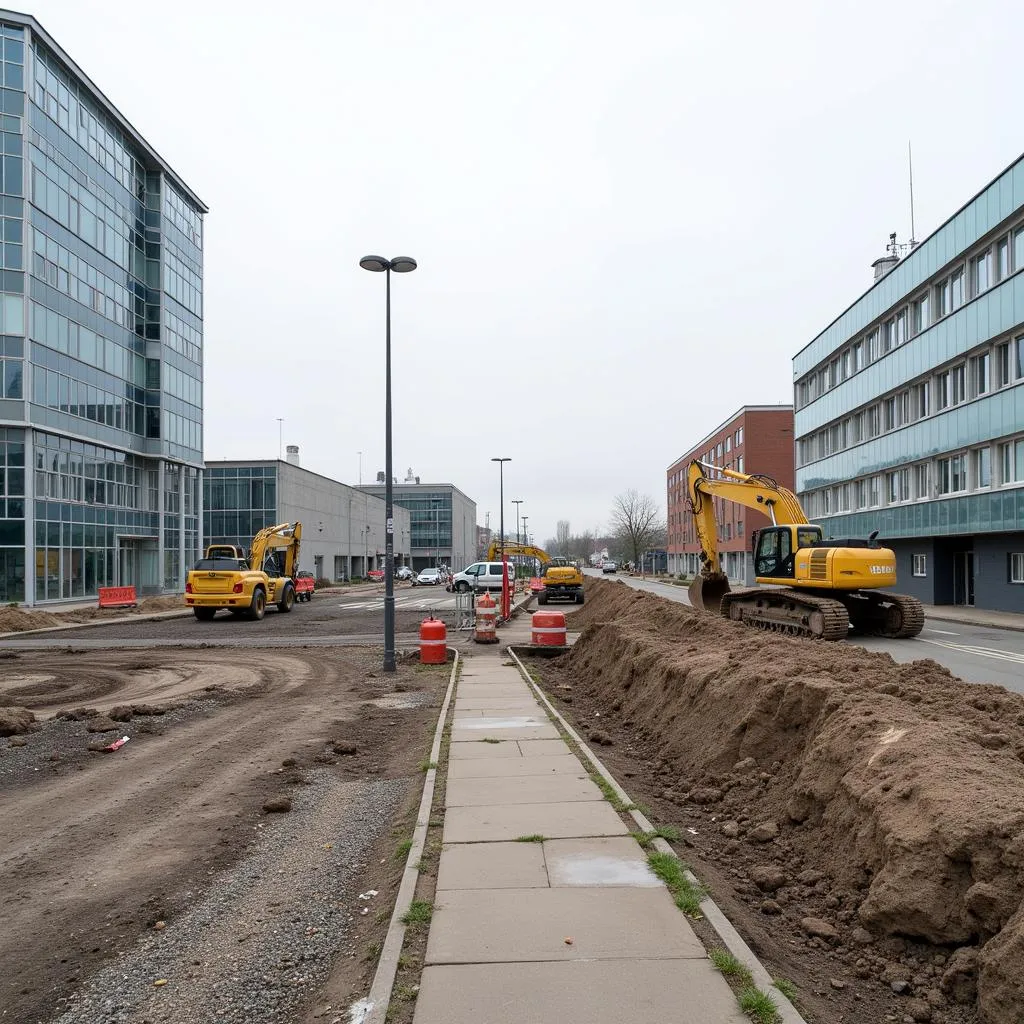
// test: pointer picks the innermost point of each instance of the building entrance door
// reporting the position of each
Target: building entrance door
(138, 564)
(963, 578)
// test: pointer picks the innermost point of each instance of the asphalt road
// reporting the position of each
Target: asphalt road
(978, 654)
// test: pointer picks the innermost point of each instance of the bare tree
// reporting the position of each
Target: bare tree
(636, 522)
(562, 534)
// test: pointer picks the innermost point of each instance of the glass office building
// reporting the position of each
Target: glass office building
(910, 409)
(101, 333)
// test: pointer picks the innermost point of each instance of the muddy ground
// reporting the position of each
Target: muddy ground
(861, 822)
(165, 850)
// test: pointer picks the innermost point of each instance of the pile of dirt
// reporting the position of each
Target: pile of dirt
(16, 721)
(18, 620)
(898, 790)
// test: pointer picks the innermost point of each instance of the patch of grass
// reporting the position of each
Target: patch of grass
(667, 832)
(609, 792)
(402, 849)
(372, 951)
(786, 987)
(643, 838)
(425, 766)
(671, 871)
(405, 993)
(419, 912)
(727, 964)
(407, 961)
(436, 822)
(535, 838)
(489, 739)
(759, 1006)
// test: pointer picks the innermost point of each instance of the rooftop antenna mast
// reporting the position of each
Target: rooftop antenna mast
(910, 165)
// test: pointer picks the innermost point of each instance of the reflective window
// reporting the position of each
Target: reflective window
(957, 293)
(1003, 259)
(979, 374)
(981, 272)
(1018, 250)
(982, 467)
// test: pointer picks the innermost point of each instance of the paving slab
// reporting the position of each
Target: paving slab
(463, 751)
(507, 925)
(597, 992)
(511, 768)
(521, 711)
(528, 789)
(510, 821)
(595, 862)
(492, 866)
(499, 703)
(543, 748)
(469, 731)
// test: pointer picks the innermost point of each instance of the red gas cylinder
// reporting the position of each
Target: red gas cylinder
(433, 642)
(486, 620)
(548, 629)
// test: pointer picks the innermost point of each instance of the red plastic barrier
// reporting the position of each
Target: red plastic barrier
(536, 584)
(548, 629)
(117, 597)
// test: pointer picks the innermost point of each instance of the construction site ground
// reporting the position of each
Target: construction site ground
(234, 860)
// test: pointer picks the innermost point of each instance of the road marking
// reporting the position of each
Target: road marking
(980, 652)
(944, 632)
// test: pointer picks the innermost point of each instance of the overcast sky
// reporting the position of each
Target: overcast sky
(626, 222)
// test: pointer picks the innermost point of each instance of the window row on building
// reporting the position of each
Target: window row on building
(1000, 464)
(976, 273)
(972, 375)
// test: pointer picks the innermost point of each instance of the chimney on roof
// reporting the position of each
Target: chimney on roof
(291, 454)
(885, 263)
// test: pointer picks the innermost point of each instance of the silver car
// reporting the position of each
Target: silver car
(428, 578)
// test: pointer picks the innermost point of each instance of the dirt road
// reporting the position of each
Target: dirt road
(97, 848)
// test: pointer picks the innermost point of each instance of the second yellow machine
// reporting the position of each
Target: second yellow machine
(807, 585)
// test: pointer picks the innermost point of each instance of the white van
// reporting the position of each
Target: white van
(481, 576)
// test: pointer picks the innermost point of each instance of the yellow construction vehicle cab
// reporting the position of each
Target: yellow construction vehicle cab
(807, 585)
(562, 578)
(226, 578)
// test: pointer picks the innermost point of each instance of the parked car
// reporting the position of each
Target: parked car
(375, 574)
(403, 572)
(428, 578)
(481, 576)
(609, 566)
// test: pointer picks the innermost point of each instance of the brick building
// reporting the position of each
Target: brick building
(756, 439)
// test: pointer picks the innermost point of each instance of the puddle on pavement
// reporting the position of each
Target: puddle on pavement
(590, 870)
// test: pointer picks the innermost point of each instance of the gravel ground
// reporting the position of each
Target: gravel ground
(264, 935)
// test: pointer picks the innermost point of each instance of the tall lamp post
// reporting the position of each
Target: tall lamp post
(526, 535)
(400, 265)
(501, 502)
(517, 502)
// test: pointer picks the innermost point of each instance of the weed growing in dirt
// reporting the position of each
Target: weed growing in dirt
(667, 832)
(535, 838)
(786, 987)
(407, 961)
(425, 766)
(725, 962)
(436, 822)
(672, 872)
(643, 838)
(402, 849)
(419, 912)
(489, 739)
(372, 952)
(609, 793)
(405, 993)
(758, 1006)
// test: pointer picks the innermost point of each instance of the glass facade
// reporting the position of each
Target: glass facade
(238, 502)
(100, 334)
(910, 407)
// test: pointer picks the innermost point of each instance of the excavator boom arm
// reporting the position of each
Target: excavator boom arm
(756, 492)
(274, 538)
(526, 550)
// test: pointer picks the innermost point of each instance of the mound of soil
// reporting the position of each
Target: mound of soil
(896, 789)
(16, 721)
(18, 620)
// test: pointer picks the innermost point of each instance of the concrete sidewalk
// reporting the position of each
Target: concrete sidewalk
(571, 927)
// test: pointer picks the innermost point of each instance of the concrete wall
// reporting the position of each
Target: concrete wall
(992, 588)
(921, 587)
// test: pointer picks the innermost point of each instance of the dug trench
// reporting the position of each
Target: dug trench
(172, 860)
(860, 821)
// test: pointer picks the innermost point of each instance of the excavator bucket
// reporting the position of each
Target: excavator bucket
(706, 592)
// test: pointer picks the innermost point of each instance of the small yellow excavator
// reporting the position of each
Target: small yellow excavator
(807, 586)
(562, 578)
(226, 578)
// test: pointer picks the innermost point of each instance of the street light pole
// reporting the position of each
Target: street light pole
(501, 502)
(400, 265)
(517, 502)
(526, 535)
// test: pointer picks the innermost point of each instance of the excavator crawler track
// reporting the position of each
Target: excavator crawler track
(875, 613)
(790, 612)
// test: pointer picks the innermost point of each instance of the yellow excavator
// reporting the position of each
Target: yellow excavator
(226, 578)
(561, 578)
(807, 585)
